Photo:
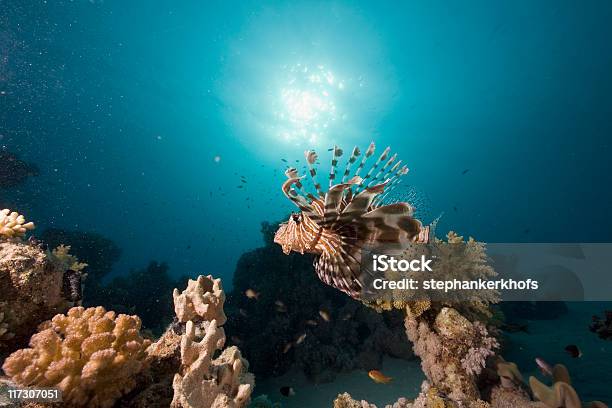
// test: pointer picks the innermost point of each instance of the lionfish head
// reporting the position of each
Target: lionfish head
(288, 236)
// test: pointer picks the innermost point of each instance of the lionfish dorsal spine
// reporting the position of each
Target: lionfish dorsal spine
(365, 182)
(311, 158)
(369, 152)
(350, 162)
(393, 176)
(383, 174)
(332, 172)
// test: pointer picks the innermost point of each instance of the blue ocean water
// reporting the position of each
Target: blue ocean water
(145, 117)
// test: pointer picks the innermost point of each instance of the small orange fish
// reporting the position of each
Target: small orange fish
(324, 315)
(379, 377)
(251, 294)
(287, 348)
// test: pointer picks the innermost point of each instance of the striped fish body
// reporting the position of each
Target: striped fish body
(338, 224)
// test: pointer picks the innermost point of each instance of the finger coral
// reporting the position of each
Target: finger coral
(187, 366)
(62, 254)
(91, 355)
(222, 382)
(202, 300)
(13, 225)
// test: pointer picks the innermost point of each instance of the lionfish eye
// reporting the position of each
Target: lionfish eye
(296, 218)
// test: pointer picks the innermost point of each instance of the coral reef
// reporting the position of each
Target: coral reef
(451, 259)
(603, 328)
(513, 393)
(91, 355)
(202, 300)
(183, 367)
(14, 171)
(100, 359)
(32, 289)
(453, 351)
(289, 306)
(346, 401)
(205, 381)
(13, 225)
(99, 252)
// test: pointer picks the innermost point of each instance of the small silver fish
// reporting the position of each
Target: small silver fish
(300, 339)
(544, 367)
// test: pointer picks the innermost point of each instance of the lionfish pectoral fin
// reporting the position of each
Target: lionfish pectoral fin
(341, 271)
(361, 203)
(392, 224)
(300, 201)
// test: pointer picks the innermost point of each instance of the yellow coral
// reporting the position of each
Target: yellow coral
(13, 225)
(91, 355)
(433, 399)
(419, 307)
(62, 254)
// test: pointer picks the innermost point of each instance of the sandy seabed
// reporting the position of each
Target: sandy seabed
(547, 339)
(407, 378)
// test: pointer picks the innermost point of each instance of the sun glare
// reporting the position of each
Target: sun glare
(307, 103)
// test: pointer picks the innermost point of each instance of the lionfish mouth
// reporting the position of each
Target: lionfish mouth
(336, 224)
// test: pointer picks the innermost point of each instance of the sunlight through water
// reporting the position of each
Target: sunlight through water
(307, 109)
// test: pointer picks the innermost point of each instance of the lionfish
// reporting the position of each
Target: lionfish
(338, 224)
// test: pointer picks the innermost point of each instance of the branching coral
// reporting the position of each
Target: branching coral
(451, 259)
(206, 382)
(184, 360)
(13, 225)
(68, 261)
(91, 355)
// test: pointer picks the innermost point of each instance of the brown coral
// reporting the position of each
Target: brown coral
(31, 288)
(91, 355)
